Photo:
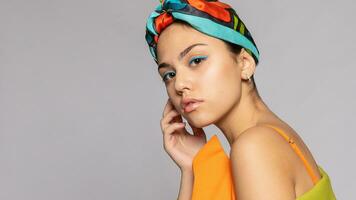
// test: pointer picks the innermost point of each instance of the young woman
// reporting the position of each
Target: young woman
(206, 58)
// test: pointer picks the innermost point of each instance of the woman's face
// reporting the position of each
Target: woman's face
(204, 71)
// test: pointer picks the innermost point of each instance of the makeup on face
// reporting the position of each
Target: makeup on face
(182, 54)
(194, 60)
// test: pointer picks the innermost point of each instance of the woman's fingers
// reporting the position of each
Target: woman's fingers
(167, 108)
(172, 128)
(168, 132)
(168, 119)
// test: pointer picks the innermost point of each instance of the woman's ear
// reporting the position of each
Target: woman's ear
(248, 64)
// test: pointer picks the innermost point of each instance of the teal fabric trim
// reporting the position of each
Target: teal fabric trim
(150, 23)
(153, 53)
(216, 30)
(174, 4)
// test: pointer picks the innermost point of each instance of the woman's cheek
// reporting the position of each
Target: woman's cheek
(213, 72)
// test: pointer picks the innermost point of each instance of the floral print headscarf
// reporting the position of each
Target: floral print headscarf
(211, 17)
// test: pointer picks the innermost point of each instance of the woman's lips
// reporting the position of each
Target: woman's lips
(191, 106)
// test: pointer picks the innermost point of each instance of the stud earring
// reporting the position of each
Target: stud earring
(247, 77)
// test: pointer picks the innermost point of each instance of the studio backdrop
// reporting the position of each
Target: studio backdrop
(81, 99)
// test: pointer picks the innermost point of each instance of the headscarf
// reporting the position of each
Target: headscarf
(212, 17)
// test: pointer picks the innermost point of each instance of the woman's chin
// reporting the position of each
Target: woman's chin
(199, 122)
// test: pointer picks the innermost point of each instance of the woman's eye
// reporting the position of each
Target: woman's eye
(197, 60)
(165, 75)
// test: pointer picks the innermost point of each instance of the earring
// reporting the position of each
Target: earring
(247, 77)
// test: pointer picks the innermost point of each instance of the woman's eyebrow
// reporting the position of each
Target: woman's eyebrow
(181, 55)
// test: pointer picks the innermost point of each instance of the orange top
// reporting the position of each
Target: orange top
(213, 175)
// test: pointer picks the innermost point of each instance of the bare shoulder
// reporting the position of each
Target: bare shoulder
(261, 165)
(261, 139)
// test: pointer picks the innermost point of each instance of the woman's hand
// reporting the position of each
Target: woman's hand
(180, 145)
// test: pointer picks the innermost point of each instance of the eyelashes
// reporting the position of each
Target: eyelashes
(196, 60)
(166, 74)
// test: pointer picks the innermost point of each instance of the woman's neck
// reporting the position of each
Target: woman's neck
(249, 112)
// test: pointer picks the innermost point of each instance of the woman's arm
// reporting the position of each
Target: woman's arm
(186, 185)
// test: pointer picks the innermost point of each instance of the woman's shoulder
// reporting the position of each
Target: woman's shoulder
(271, 149)
(265, 140)
(262, 155)
(264, 136)
(262, 141)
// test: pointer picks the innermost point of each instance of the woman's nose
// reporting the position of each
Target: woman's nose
(183, 81)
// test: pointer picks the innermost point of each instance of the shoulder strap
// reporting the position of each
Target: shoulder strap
(298, 151)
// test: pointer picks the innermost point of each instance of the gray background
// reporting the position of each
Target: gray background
(81, 99)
